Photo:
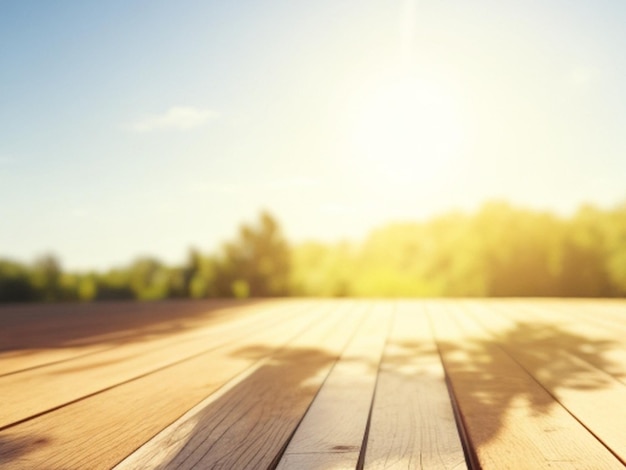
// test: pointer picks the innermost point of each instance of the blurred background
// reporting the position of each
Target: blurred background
(153, 149)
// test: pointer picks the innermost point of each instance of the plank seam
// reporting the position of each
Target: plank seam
(556, 399)
(228, 385)
(468, 449)
(363, 450)
(59, 361)
(283, 449)
(264, 360)
(471, 459)
(258, 318)
(574, 357)
(63, 405)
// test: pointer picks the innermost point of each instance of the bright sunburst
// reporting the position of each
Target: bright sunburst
(407, 129)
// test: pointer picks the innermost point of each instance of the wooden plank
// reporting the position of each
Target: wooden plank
(597, 343)
(582, 311)
(99, 431)
(575, 313)
(562, 363)
(511, 421)
(12, 362)
(615, 308)
(70, 381)
(412, 424)
(46, 324)
(595, 313)
(33, 336)
(248, 426)
(333, 429)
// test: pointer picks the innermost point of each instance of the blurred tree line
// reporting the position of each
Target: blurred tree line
(499, 251)
(256, 263)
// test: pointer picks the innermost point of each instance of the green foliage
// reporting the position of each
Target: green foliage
(200, 276)
(499, 251)
(15, 283)
(240, 289)
(260, 257)
(114, 285)
(87, 288)
(518, 250)
(46, 278)
(321, 270)
(149, 279)
(614, 228)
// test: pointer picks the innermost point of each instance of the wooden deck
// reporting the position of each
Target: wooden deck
(324, 384)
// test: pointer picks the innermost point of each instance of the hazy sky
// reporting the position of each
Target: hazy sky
(143, 127)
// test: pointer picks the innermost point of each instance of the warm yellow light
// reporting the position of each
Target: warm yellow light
(407, 129)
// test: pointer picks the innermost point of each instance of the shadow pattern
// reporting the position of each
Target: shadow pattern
(250, 425)
(70, 325)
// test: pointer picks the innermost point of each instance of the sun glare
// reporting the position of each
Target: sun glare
(407, 130)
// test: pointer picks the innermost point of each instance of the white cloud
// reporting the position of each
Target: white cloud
(176, 118)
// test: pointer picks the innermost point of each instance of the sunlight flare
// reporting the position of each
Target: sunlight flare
(408, 129)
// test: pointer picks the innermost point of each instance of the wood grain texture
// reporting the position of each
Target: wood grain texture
(412, 423)
(249, 425)
(99, 431)
(573, 374)
(12, 362)
(324, 461)
(537, 384)
(590, 334)
(572, 329)
(333, 429)
(38, 334)
(511, 420)
(610, 313)
(38, 390)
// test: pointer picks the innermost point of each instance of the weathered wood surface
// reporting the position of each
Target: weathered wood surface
(331, 433)
(306, 384)
(412, 421)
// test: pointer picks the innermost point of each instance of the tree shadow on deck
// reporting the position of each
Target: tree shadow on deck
(525, 371)
(241, 427)
(49, 326)
(249, 425)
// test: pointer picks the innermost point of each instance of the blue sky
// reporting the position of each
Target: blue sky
(131, 128)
